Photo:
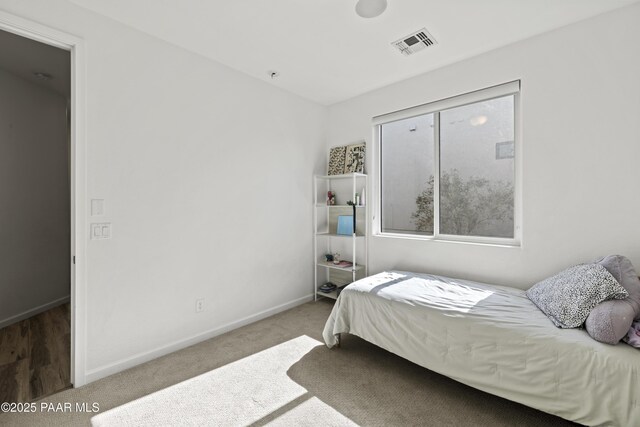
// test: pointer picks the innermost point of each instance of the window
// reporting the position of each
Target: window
(447, 169)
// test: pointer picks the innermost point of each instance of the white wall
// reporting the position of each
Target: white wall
(34, 199)
(207, 178)
(580, 146)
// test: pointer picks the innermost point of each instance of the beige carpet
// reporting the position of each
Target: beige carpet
(246, 392)
(275, 372)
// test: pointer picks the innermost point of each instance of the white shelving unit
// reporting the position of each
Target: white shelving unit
(352, 248)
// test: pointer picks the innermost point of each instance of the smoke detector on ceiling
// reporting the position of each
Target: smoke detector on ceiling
(370, 8)
(414, 42)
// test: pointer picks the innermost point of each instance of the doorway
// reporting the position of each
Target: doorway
(35, 219)
(48, 330)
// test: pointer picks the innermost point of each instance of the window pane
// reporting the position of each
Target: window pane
(407, 176)
(477, 169)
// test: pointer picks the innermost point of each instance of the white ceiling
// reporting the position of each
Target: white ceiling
(22, 57)
(325, 52)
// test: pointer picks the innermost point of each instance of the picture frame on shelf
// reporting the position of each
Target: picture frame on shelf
(336, 160)
(355, 158)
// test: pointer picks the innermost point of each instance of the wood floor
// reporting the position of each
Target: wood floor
(35, 356)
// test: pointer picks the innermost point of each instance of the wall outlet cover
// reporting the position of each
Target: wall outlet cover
(97, 207)
(199, 305)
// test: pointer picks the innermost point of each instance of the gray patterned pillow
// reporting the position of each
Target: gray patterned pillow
(568, 297)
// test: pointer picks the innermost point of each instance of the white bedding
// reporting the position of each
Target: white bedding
(494, 339)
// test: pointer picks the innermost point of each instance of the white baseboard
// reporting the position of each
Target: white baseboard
(129, 362)
(32, 312)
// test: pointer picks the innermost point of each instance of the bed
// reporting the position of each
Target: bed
(494, 339)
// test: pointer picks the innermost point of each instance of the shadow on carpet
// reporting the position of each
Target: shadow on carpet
(372, 386)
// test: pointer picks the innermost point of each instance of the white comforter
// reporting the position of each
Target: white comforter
(492, 338)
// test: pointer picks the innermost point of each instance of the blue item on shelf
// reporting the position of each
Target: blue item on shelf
(345, 225)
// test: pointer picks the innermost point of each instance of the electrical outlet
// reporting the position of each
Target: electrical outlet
(199, 305)
(97, 207)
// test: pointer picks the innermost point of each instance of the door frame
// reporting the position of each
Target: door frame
(78, 179)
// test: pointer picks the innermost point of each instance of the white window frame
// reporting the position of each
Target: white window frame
(510, 88)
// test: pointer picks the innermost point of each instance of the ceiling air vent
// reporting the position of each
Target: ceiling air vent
(415, 42)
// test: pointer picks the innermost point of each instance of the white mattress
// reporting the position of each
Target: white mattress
(494, 339)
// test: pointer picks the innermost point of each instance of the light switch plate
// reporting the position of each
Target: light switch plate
(100, 230)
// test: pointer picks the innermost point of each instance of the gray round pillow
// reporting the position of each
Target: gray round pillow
(622, 270)
(610, 320)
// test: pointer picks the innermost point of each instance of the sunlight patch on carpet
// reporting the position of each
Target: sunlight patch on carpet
(255, 389)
